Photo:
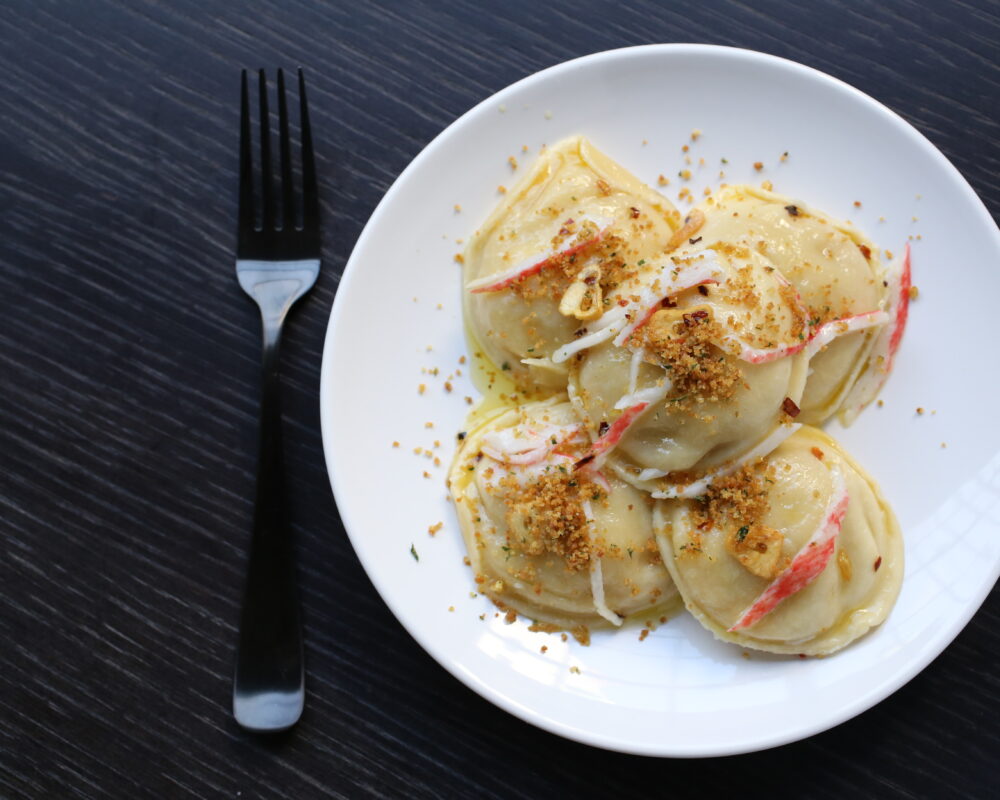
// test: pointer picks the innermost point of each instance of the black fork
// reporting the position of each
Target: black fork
(277, 261)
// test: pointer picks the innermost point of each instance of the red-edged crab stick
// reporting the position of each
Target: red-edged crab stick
(808, 563)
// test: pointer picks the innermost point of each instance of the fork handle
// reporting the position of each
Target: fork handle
(268, 689)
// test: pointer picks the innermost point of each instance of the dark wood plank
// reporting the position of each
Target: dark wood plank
(128, 410)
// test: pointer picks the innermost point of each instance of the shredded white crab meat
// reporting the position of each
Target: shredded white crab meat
(597, 574)
(633, 369)
(651, 395)
(523, 445)
(619, 322)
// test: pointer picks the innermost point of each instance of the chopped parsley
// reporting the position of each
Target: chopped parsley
(413, 552)
(741, 534)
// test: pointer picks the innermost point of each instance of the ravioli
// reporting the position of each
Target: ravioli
(798, 553)
(718, 369)
(578, 218)
(657, 447)
(560, 545)
(835, 269)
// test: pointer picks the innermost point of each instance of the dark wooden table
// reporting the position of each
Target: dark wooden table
(129, 400)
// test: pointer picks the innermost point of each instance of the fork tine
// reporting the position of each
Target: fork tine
(266, 180)
(245, 217)
(310, 192)
(287, 194)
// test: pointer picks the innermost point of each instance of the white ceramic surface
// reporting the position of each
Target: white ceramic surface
(679, 692)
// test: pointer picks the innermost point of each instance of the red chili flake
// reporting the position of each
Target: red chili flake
(668, 302)
(694, 317)
(789, 407)
(703, 290)
(792, 210)
(603, 427)
(866, 251)
(589, 280)
(564, 231)
(634, 212)
(623, 302)
(584, 461)
(878, 563)
(817, 452)
(705, 524)
(579, 332)
(694, 241)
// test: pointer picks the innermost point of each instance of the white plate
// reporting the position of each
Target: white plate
(679, 692)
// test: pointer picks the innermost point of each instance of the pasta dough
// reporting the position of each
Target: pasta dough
(575, 212)
(549, 541)
(835, 269)
(791, 494)
(714, 403)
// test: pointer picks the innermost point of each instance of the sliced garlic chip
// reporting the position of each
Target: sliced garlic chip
(583, 298)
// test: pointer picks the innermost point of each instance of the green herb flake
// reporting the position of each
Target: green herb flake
(413, 552)
(741, 534)
(505, 366)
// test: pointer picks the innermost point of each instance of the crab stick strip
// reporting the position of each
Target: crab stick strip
(495, 283)
(808, 563)
(826, 333)
(704, 271)
(612, 436)
(887, 343)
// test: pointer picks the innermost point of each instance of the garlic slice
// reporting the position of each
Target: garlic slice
(583, 299)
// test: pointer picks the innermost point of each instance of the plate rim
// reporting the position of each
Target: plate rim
(865, 700)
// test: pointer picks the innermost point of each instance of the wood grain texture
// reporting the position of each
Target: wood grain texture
(128, 413)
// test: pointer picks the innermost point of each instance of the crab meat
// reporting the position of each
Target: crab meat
(826, 333)
(522, 446)
(887, 342)
(495, 283)
(607, 442)
(649, 395)
(808, 563)
(597, 574)
(620, 321)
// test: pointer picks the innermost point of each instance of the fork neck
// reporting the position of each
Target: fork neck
(271, 340)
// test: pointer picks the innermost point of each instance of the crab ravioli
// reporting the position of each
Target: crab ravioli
(836, 271)
(709, 374)
(795, 553)
(575, 231)
(564, 546)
